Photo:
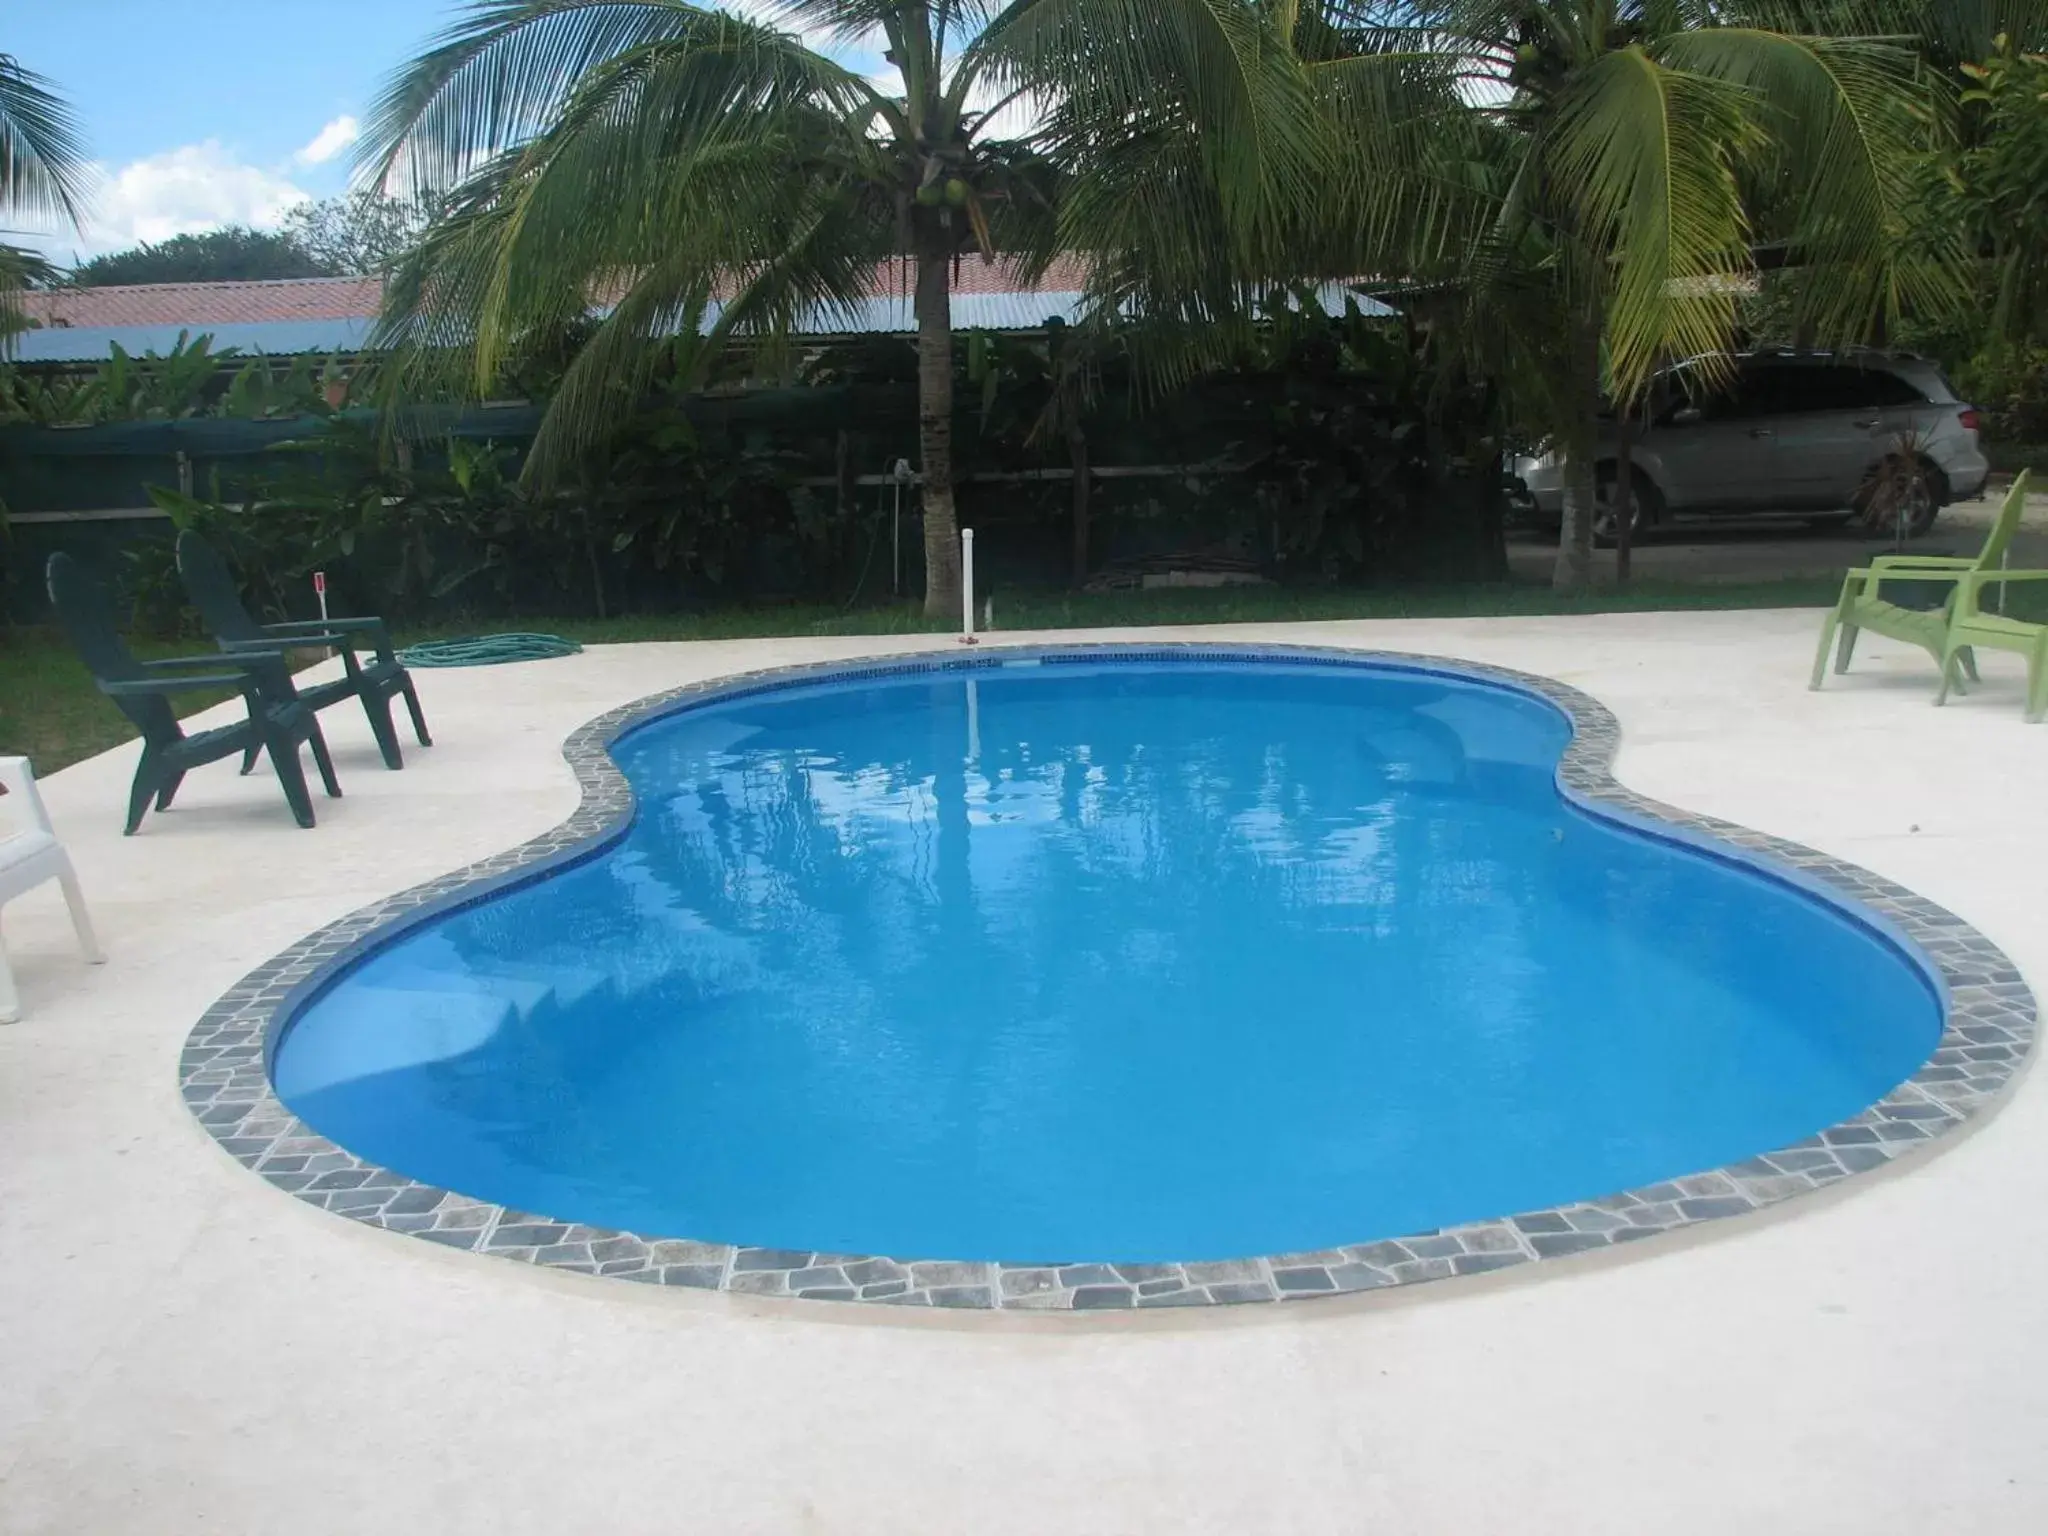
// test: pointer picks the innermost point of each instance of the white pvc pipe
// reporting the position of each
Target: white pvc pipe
(967, 586)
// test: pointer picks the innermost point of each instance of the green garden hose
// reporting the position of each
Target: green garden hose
(486, 650)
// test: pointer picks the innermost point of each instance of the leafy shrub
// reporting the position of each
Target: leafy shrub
(2009, 384)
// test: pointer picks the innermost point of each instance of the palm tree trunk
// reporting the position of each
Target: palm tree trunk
(933, 303)
(1574, 571)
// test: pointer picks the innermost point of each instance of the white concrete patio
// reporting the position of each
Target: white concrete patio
(184, 1349)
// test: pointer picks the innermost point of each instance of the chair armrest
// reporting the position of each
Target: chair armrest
(144, 687)
(17, 780)
(335, 632)
(1992, 578)
(1909, 564)
(295, 626)
(164, 663)
(270, 647)
(1873, 577)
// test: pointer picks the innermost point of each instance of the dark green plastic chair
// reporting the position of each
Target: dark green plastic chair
(278, 718)
(211, 586)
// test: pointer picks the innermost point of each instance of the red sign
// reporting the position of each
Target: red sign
(320, 583)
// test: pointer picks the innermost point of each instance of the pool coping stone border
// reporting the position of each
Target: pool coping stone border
(224, 1070)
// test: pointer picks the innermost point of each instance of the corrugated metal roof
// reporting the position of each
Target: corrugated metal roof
(883, 316)
(205, 305)
(95, 343)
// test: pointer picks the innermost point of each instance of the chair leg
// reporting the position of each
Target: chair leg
(81, 920)
(249, 758)
(1969, 655)
(2037, 682)
(1847, 649)
(377, 706)
(284, 757)
(419, 719)
(1949, 668)
(168, 790)
(10, 1000)
(317, 740)
(140, 793)
(1820, 657)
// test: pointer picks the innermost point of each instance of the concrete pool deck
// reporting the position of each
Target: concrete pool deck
(184, 1348)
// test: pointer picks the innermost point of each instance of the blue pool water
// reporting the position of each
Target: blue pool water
(1104, 960)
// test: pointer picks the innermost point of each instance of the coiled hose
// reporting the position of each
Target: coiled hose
(486, 650)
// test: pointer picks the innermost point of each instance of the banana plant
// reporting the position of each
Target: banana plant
(164, 386)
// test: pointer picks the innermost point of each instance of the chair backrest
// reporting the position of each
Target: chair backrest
(2006, 524)
(23, 803)
(211, 586)
(88, 621)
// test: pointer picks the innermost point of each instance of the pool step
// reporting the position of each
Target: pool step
(362, 1031)
(425, 1015)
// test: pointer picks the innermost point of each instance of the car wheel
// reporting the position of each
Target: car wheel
(1645, 506)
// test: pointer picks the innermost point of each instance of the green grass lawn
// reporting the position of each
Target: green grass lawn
(50, 710)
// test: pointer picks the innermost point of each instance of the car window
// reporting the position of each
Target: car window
(1802, 388)
(1892, 389)
(1778, 390)
(1727, 400)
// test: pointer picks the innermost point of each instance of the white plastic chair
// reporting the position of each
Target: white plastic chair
(28, 857)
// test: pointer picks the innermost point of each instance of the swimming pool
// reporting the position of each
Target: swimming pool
(1132, 959)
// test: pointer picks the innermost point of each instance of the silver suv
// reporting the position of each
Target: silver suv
(1804, 432)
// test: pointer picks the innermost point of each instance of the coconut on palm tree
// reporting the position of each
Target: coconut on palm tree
(659, 164)
(1634, 155)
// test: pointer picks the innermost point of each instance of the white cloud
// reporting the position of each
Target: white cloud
(188, 190)
(329, 141)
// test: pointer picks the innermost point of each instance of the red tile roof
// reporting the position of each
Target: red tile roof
(340, 298)
(305, 298)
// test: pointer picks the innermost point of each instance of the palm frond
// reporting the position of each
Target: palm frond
(1216, 67)
(1848, 124)
(1643, 155)
(509, 69)
(19, 269)
(670, 172)
(44, 172)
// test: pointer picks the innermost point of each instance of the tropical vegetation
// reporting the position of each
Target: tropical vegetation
(679, 162)
(235, 254)
(1560, 196)
(359, 233)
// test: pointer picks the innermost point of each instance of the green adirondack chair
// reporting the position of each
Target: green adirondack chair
(1863, 605)
(211, 586)
(278, 719)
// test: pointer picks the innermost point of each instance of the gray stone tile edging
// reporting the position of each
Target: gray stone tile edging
(1988, 1031)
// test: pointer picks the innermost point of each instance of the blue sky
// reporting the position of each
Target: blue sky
(204, 112)
(201, 113)
(209, 112)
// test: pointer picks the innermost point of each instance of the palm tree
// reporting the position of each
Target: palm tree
(43, 173)
(1621, 155)
(655, 155)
